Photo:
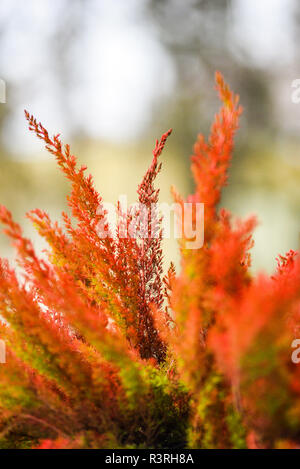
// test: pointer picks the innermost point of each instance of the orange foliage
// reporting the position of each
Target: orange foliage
(102, 351)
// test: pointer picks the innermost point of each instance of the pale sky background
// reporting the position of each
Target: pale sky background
(123, 66)
(263, 27)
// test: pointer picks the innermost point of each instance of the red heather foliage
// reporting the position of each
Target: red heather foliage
(102, 351)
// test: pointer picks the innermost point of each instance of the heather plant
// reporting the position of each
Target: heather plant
(104, 351)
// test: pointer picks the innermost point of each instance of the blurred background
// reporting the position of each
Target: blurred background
(113, 75)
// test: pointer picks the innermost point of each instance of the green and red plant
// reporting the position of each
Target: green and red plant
(105, 352)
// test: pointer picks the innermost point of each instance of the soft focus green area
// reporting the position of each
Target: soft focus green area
(264, 181)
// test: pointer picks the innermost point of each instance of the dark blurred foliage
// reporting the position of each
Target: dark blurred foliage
(198, 35)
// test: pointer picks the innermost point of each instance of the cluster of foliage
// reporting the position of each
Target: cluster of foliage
(105, 352)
